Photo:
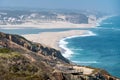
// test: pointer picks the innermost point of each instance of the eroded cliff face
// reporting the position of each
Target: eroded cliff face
(21, 59)
(7, 40)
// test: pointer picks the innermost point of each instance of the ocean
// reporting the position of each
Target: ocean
(99, 47)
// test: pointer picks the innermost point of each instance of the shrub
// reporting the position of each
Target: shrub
(5, 50)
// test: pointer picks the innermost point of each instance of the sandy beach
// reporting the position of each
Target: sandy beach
(51, 25)
(51, 39)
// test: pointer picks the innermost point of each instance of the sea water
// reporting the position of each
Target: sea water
(99, 47)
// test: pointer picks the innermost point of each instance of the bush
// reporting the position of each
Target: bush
(5, 50)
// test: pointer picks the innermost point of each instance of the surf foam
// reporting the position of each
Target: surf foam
(85, 62)
(63, 43)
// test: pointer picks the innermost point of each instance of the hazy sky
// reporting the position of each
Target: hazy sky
(99, 5)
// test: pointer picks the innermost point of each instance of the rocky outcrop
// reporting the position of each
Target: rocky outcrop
(97, 76)
(6, 39)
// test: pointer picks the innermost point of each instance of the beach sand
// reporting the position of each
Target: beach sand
(52, 39)
(51, 25)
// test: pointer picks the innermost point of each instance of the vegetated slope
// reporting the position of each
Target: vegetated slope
(21, 59)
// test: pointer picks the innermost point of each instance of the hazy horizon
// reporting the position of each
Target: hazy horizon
(108, 6)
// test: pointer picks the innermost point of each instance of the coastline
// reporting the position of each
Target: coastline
(52, 39)
(57, 39)
(62, 43)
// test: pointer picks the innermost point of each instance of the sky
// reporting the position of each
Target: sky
(110, 6)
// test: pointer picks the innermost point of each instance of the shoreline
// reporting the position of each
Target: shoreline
(52, 39)
(63, 43)
(57, 39)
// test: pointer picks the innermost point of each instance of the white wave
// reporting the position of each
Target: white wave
(108, 23)
(76, 49)
(88, 33)
(85, 62)
(68, 52)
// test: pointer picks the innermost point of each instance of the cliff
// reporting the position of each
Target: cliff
(21, 59)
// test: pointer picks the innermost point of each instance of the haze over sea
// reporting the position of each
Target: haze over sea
(100, 47)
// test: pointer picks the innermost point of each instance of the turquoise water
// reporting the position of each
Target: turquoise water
(100, 47)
